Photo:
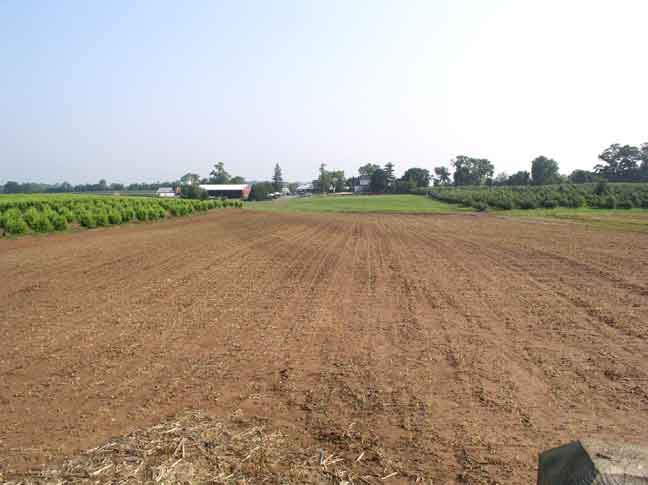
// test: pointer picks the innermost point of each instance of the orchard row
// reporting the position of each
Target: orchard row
(42, 214)
(600, 195)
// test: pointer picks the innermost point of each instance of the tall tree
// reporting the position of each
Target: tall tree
(389, 175)
(368, 169)
(378, 182)
(190, 179)
(544, 171)
(472, 171)
(323, 182)
(520, 178)
(237, 179)
(277, 179)
(261, 191)
(219, 175)
(581, 177)
(621, 163)
(419, 176)
(338, 181)
(329, 181)
(193, 191)
(644, 162)
(442, 175)
(11, 187)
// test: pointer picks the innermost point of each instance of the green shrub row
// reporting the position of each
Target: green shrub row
(55, 213)
(600, 196)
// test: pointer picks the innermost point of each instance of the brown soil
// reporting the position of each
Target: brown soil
(449, 349)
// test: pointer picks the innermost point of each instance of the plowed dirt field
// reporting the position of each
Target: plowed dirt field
(448, 348)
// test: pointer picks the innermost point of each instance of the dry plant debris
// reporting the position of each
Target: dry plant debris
(196, 448)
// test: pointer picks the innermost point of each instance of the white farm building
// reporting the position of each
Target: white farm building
(166, 192)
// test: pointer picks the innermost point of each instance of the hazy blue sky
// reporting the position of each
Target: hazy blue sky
(135, 90)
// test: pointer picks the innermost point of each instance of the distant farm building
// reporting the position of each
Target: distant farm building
(228, 191)
(166, 192)
(362, 184)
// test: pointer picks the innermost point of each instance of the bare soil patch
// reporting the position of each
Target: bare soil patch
(443, 349)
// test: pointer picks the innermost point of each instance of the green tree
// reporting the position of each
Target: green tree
(193, 191)
(404, 186)
(390, 176)
(219, 175)
(261, 191)
(378, 183)
(442, 176)
(472, 171)
(338, 181)
(237, 180)
(621, 163)
(11, 187)
(190, 179)
(520, 178)
(544, 171)
(277, 178)
(581, 177)
(368, 169)
(329, 181)
(323, 182)
(419, 176)
(644, 162)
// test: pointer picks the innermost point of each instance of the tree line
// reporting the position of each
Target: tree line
(617, 163)
(381, 179)
(12, 187)
(218, 175)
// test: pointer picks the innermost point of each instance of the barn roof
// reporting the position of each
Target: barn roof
(224, 186)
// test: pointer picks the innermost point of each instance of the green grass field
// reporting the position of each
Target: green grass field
(611, 219)
(401, 203)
